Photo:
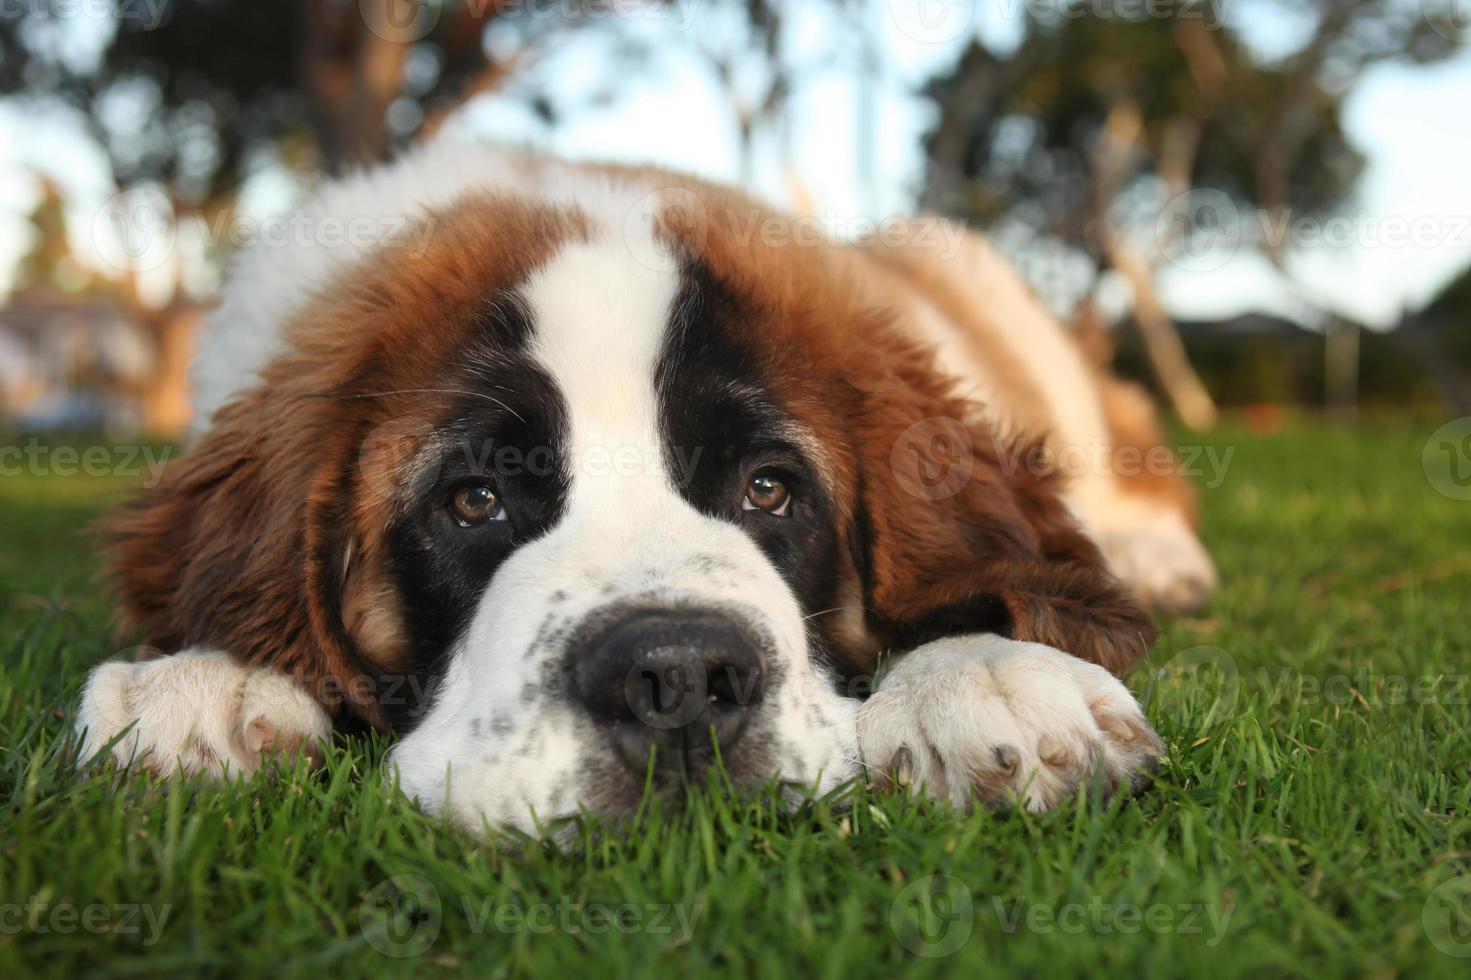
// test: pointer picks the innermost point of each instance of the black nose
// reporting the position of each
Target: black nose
(663, 680)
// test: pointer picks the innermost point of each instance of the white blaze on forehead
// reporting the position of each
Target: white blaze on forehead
(600, 311)
(600, 318)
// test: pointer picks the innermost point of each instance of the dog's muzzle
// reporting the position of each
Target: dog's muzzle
(670, 685)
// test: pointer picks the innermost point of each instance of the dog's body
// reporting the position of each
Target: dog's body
(583, 464)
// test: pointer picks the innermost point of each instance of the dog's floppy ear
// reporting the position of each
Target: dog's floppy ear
(961, 531)
(243, 547)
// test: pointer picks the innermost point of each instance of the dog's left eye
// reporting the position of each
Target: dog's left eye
(767, 492)
(476, 504)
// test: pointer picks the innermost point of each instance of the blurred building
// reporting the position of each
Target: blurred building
(83, 364)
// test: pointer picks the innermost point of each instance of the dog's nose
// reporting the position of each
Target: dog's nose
(663, 680)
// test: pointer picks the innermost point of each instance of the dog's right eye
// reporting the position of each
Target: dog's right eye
(475, 504)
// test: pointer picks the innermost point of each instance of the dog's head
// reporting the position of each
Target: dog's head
(577, 494)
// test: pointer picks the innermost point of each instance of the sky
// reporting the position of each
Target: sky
(1406, 234)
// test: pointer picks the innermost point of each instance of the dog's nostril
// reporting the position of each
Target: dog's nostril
(668, 679)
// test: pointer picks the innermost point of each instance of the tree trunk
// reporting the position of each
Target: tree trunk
(1182, 386)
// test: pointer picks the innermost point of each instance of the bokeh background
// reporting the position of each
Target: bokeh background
(1259, 205)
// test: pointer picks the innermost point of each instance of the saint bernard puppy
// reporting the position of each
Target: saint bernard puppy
(579, 478)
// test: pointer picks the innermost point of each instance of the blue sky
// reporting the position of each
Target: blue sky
(1406, 234)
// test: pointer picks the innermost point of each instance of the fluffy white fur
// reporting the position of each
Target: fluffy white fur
(197, 712)
(995, 721)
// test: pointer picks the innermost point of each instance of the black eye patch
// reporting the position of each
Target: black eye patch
(722, 426)
(505, 433)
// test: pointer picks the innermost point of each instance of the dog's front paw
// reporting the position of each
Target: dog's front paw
(987, 720)
(198, 712)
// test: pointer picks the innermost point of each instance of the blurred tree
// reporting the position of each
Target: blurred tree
(190, 96)
(185, 92)
(1094, 128)
(49, 265)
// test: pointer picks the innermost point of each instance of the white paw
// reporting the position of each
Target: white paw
(198, 712)
(983, 719)
(1163, 563)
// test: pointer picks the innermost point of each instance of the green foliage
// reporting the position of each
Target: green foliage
(1018, 133)
(1305, 814)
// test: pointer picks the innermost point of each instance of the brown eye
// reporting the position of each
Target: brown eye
(767, 492)
(476, 504)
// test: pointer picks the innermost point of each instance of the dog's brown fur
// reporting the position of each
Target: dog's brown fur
(266, 539)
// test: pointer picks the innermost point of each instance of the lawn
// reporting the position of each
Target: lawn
(1313, 815)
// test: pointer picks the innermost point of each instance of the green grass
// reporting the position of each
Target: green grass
(1317, 790)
